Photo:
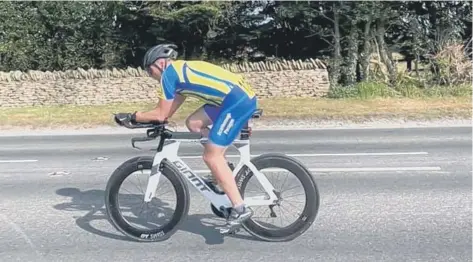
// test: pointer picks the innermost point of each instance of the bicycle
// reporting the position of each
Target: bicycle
(166, 162)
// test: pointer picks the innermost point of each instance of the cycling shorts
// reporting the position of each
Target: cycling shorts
(229, 118)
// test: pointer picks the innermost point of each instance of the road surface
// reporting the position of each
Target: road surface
(386, 195)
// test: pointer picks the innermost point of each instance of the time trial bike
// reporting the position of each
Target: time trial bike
(167, 163)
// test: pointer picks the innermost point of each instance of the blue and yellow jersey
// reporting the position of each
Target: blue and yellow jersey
(205, 81)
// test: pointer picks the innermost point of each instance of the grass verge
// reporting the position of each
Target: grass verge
(353, 109)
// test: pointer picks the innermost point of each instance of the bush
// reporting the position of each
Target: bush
(367, 90)
(452, 65)
(362, 90)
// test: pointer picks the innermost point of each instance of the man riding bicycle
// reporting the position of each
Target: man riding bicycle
(229, 104)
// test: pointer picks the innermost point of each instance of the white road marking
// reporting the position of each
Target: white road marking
(18, 161)
(351, 169)
(334, 154)
(376, 169)
(293, 155)
(21, 233)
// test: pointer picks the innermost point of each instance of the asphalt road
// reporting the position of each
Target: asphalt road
(386, 195)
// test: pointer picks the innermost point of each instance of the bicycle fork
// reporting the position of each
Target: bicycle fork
(153, 179)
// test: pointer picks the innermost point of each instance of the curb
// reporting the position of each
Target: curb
(278, 125)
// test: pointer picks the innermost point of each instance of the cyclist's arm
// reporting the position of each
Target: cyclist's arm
(168, 103)
(178, 100)
(159, 113)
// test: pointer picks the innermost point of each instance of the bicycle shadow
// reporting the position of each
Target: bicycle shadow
(93, 202)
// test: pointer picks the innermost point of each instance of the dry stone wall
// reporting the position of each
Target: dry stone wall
(93, 87)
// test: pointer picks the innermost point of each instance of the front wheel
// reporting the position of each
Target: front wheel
(305, 218)
(120, 222)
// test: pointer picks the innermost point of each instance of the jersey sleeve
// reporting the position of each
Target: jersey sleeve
(169, 81)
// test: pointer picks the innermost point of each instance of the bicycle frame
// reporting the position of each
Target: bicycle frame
(170, 152)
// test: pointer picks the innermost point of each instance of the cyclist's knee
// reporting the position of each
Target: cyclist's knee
(197, 121)
(193, 126)
(213, 153)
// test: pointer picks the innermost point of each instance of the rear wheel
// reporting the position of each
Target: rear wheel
(306, 217)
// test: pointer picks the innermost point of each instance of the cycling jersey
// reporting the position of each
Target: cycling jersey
(202, 80)
(228, 92)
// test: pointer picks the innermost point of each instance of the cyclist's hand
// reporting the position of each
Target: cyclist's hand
(125, 119)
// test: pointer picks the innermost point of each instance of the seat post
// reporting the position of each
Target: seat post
(245, 131)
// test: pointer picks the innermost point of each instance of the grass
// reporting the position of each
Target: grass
(369, 90)
(364, 101)
(354, 109)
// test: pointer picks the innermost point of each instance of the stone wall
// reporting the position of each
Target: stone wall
(80, 87)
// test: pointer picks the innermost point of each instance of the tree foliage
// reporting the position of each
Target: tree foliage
(347, 35)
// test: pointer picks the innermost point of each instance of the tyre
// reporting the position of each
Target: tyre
(308, 215)
(115, 216)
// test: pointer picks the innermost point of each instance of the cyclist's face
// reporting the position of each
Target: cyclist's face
(155, 70)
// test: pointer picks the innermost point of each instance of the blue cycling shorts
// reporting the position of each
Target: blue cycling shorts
(229, 118)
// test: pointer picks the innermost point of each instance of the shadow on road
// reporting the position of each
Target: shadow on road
(92, 201)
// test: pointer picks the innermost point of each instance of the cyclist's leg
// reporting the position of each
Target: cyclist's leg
(233, 115)
(200, 120)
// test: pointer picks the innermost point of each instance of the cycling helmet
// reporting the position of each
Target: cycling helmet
(159, 51)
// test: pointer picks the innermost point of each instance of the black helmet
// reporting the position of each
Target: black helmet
(159, 51)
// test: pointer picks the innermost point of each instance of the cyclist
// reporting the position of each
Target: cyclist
(229, 104)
